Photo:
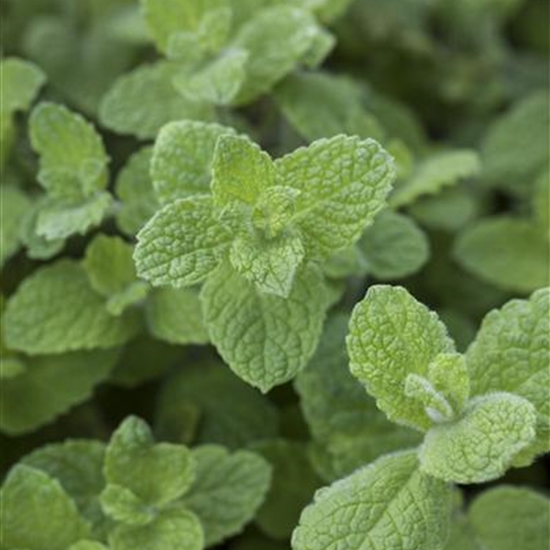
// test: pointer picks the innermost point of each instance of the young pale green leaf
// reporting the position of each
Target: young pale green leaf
(15, 205)
(175, 529)
(481, 445)
(109, 266)
(343, 184)
(59, 218)
(78, 466)
(391, 336)
(55, 310)
(231, 412)
(135, 190)
(142, 101)
(157, 473)
(174, 315)
(434, 173)
(394, 246)
(165, 18)
(434, 402)
(219, 81)
(387, 505)
(270, 264)
(345, 424)
(294, 482)
(511, 353)
(36, 512)
(53, 384)
(507, 518)
(277, 38)
(182, 244)
(303, 96)
(228, 490)
(21, 81)
(73, 161)
(449, 374)
(240, 171)
(182, 159)
(123, 506)
(511, 253)
(274, 209)
(264, 339)
(514, 148)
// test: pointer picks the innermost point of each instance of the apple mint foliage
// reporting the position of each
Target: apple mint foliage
(274, 274)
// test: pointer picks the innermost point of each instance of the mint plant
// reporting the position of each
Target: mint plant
(274, 274)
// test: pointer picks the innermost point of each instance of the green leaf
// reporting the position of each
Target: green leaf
(511, 253)
(53, 384)
(434, 173)
(60, 218)
(182, 244)
(175, 529)
(387, 505)
(540, 201)
(240, 171)
(165, 18)
(36, 513)
(343, 183)
(292, 487)
(514, 147)
(394, 246)
(15, 205)
(78, 466)
(506, 518)
(270, 338)
(73, 161)
(88, 545)
(231, 412)
(123, 506)
(174, 315)
(391, 336)
(219, 81)
(270, 264)
(277, 39)
(228, 490)
(135, 190)
(156, 473)
(111, 272)
(480, 445)
(347, 428)
(21, 81)
(55, 310)
(274, 209)
(511, 354)
(182, 159)
(142, 101)
(303, 96)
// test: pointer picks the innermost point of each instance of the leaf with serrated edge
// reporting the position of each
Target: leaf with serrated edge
(182, 244)
(388, 505)
(227, 491)
(343, 182)
(511, 353)
(55, 310)
(157, 473)
(480, 445)
(182, 158)
(392, 335)
(265, 339)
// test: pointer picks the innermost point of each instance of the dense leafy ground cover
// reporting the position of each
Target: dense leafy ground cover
(275, 275)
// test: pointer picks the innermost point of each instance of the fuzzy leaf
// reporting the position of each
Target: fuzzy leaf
(265, 339)
(157, 473)
(182, 244)
(481, 445)
(36, 513)
(388, 505)
(182, 159)
(391, 336)
(227, 491)
(343, 183)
